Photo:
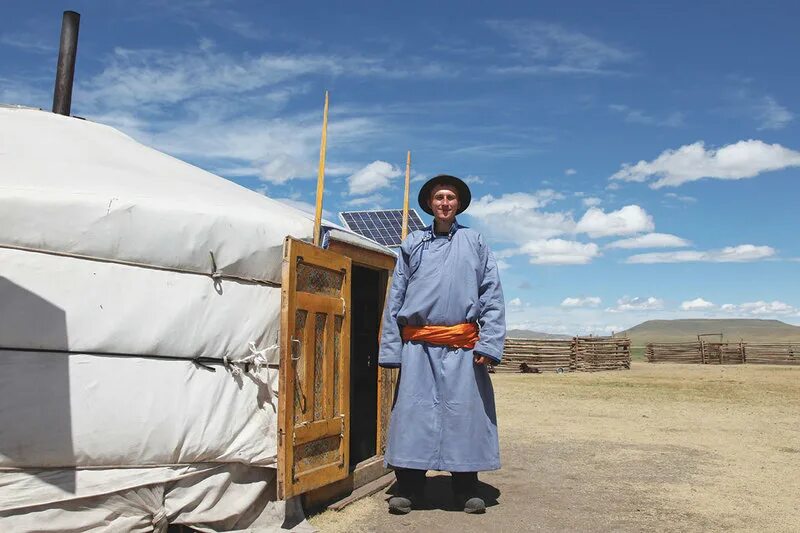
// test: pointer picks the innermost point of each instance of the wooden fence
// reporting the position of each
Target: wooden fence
(594, 354)
(724, 353)
(579, 354)
(773, 354)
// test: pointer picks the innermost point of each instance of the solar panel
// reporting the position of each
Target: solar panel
(383, 226)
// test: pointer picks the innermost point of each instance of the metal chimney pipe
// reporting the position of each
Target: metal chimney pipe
(65, 73)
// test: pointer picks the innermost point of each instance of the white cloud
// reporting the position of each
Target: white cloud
(508, 149)
(591, 201)
(473, 180)
(764, 109)
(373, 201)
(570, 172)
(227, 111)
(762, 308)
(637, 116)
(589, 301)
(503, 265)
(505, 253)
(143, 77)
(515, 303)
(516, 217)
(285, 167)
(559, 252)
(744, 252)
(278, 150)
(563, 321)
(233, 141)
(744, 159)
(626, 303)
(28, 42)
(20, 93)
(517, 201)
(650, 240)
(680, 198)
(372, 177)
(772, 115)
(729, 254)
(696, 305)
(629, 219)
(136, 77)
(546, 48)
(305, 207)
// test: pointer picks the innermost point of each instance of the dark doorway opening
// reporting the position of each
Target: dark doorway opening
(367, 294)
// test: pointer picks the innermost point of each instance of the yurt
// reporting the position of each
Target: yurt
(173, 349)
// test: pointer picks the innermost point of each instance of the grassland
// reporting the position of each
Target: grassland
(659, 447)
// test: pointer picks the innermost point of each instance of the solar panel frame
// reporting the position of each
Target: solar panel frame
(383, 226)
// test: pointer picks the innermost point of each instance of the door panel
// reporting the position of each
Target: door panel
(314, 406)
(387, 382)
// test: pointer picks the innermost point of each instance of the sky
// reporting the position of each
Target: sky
(628, 160)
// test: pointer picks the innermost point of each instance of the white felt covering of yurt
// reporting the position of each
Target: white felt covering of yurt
(106, 253)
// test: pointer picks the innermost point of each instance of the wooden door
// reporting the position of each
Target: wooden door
(314, 397)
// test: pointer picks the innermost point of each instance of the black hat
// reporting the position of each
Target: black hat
(464, 195)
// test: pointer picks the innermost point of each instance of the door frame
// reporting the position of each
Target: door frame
(371, 468)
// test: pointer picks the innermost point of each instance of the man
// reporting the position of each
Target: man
(444, 321)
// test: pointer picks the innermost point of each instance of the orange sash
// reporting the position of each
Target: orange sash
(458, 336)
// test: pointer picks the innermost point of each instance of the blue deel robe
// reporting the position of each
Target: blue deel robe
(444, 416)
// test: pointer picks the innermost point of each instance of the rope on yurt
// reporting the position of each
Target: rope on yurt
(215, 274)
(201, 361)
(257, 358)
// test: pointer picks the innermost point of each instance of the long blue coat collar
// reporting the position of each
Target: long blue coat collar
(453, 229)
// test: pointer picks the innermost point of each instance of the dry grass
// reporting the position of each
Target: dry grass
(668, 447)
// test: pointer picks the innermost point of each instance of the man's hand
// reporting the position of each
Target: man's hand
(481, 360)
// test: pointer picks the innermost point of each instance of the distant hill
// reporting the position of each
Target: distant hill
(731, 329)
(527, 334)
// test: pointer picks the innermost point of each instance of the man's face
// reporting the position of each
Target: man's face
(444, 203)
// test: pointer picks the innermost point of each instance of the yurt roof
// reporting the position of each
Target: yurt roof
(76, 187)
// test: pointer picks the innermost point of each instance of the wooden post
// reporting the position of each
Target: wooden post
(574, 357)
(321, 174)
(404, 231)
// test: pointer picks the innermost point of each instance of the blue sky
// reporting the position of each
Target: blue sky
(628, 161)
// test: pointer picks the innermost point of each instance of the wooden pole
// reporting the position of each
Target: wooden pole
(405, 197)
(321, 174)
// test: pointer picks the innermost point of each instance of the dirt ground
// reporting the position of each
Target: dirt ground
(660, 447)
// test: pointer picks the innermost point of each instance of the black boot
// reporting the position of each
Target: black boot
(400, 505)
(410, 492)
(465, 490)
